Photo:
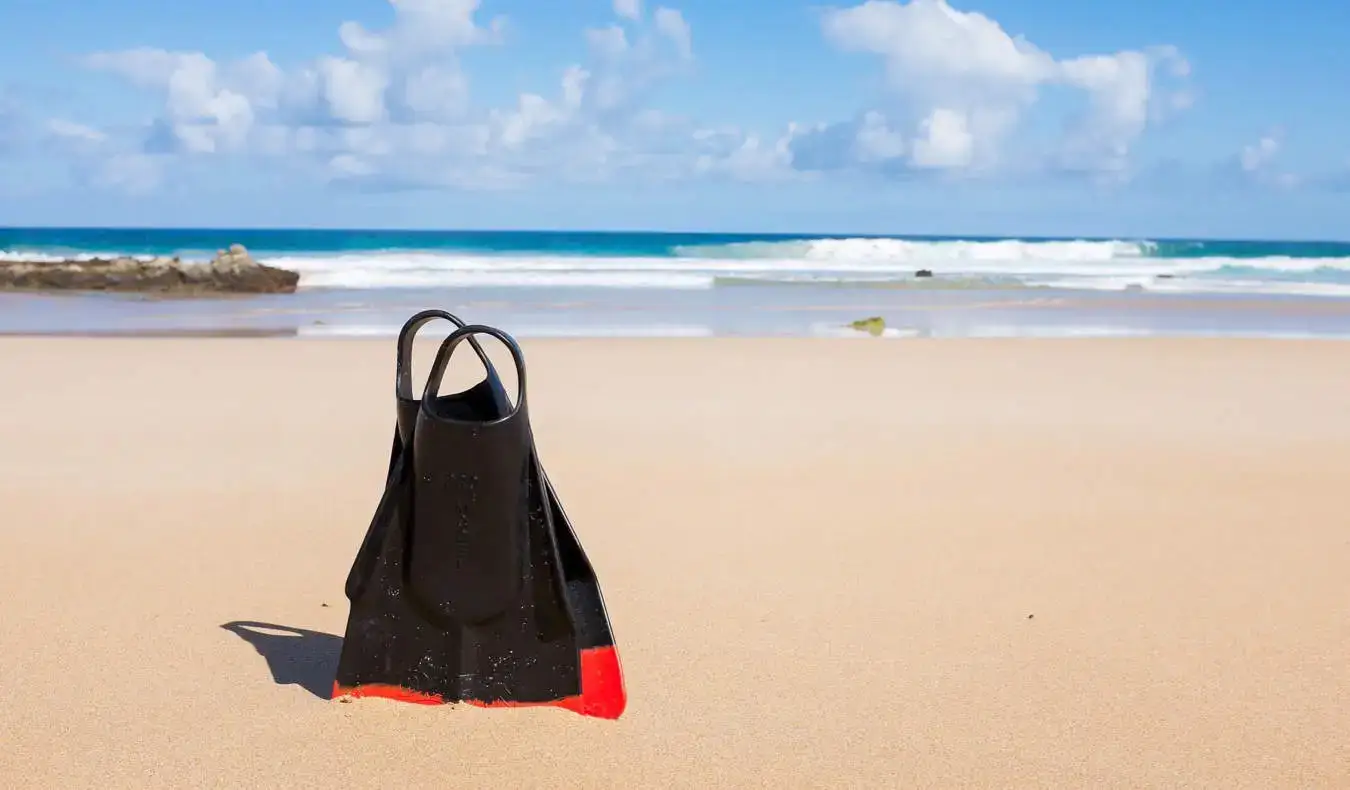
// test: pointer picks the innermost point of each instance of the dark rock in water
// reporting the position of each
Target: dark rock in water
(924, 273)
(232, 271)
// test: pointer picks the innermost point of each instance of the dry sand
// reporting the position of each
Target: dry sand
(822, 560)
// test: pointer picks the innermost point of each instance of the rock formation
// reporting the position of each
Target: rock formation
(232, 271)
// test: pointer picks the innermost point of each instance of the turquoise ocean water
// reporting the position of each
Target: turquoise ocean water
(361, 282)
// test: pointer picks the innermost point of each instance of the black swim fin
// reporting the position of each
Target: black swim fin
(487, 397)
(471, 584)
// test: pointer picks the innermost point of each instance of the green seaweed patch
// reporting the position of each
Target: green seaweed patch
(873, 326)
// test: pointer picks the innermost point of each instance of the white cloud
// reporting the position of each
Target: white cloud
(608, 42)
(1256, 156)
(76, 138)
(101, 161)
(945, 141)
(205, 109)
(963, 83)
(134, 174)
(1258, 162)
(672, 25)
(393, 106)
(876, 141)
(409, 70)
(592, 126)
(421, 28)
(734, 154)
(75, 131)
(354, 90)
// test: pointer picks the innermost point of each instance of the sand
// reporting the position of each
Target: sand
(849, 563)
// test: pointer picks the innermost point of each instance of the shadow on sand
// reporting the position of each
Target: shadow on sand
(296, 656)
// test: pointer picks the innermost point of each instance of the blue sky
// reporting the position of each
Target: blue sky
(984, 117)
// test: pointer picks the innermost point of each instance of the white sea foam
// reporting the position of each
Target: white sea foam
(824, 329)
(1096, 265)
(38, 256)
(924, 252)
(1252, 286)
(524, 331)
(1236, 285)
(1099, 266)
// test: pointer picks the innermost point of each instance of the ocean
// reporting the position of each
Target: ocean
(361, 282)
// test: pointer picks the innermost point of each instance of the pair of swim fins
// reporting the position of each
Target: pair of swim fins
(470, 585)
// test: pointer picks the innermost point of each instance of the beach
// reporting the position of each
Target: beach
(365, 283)
(828, 563)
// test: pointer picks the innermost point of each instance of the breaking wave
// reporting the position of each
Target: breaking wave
(1195, 267)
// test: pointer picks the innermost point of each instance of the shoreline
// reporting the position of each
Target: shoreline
(365, 260)
(744, 311)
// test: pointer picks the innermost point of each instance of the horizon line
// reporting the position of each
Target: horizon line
(667, 232)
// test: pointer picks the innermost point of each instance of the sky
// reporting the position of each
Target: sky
(991, 117)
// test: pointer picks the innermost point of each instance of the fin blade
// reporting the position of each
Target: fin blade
(602, 690)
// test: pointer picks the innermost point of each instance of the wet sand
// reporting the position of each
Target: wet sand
(963, 563)
(809, 310)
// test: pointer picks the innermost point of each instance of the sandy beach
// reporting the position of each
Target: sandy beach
(829, 563)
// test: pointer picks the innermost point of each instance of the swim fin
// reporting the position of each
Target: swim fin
(471, 584)
(487, 397)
